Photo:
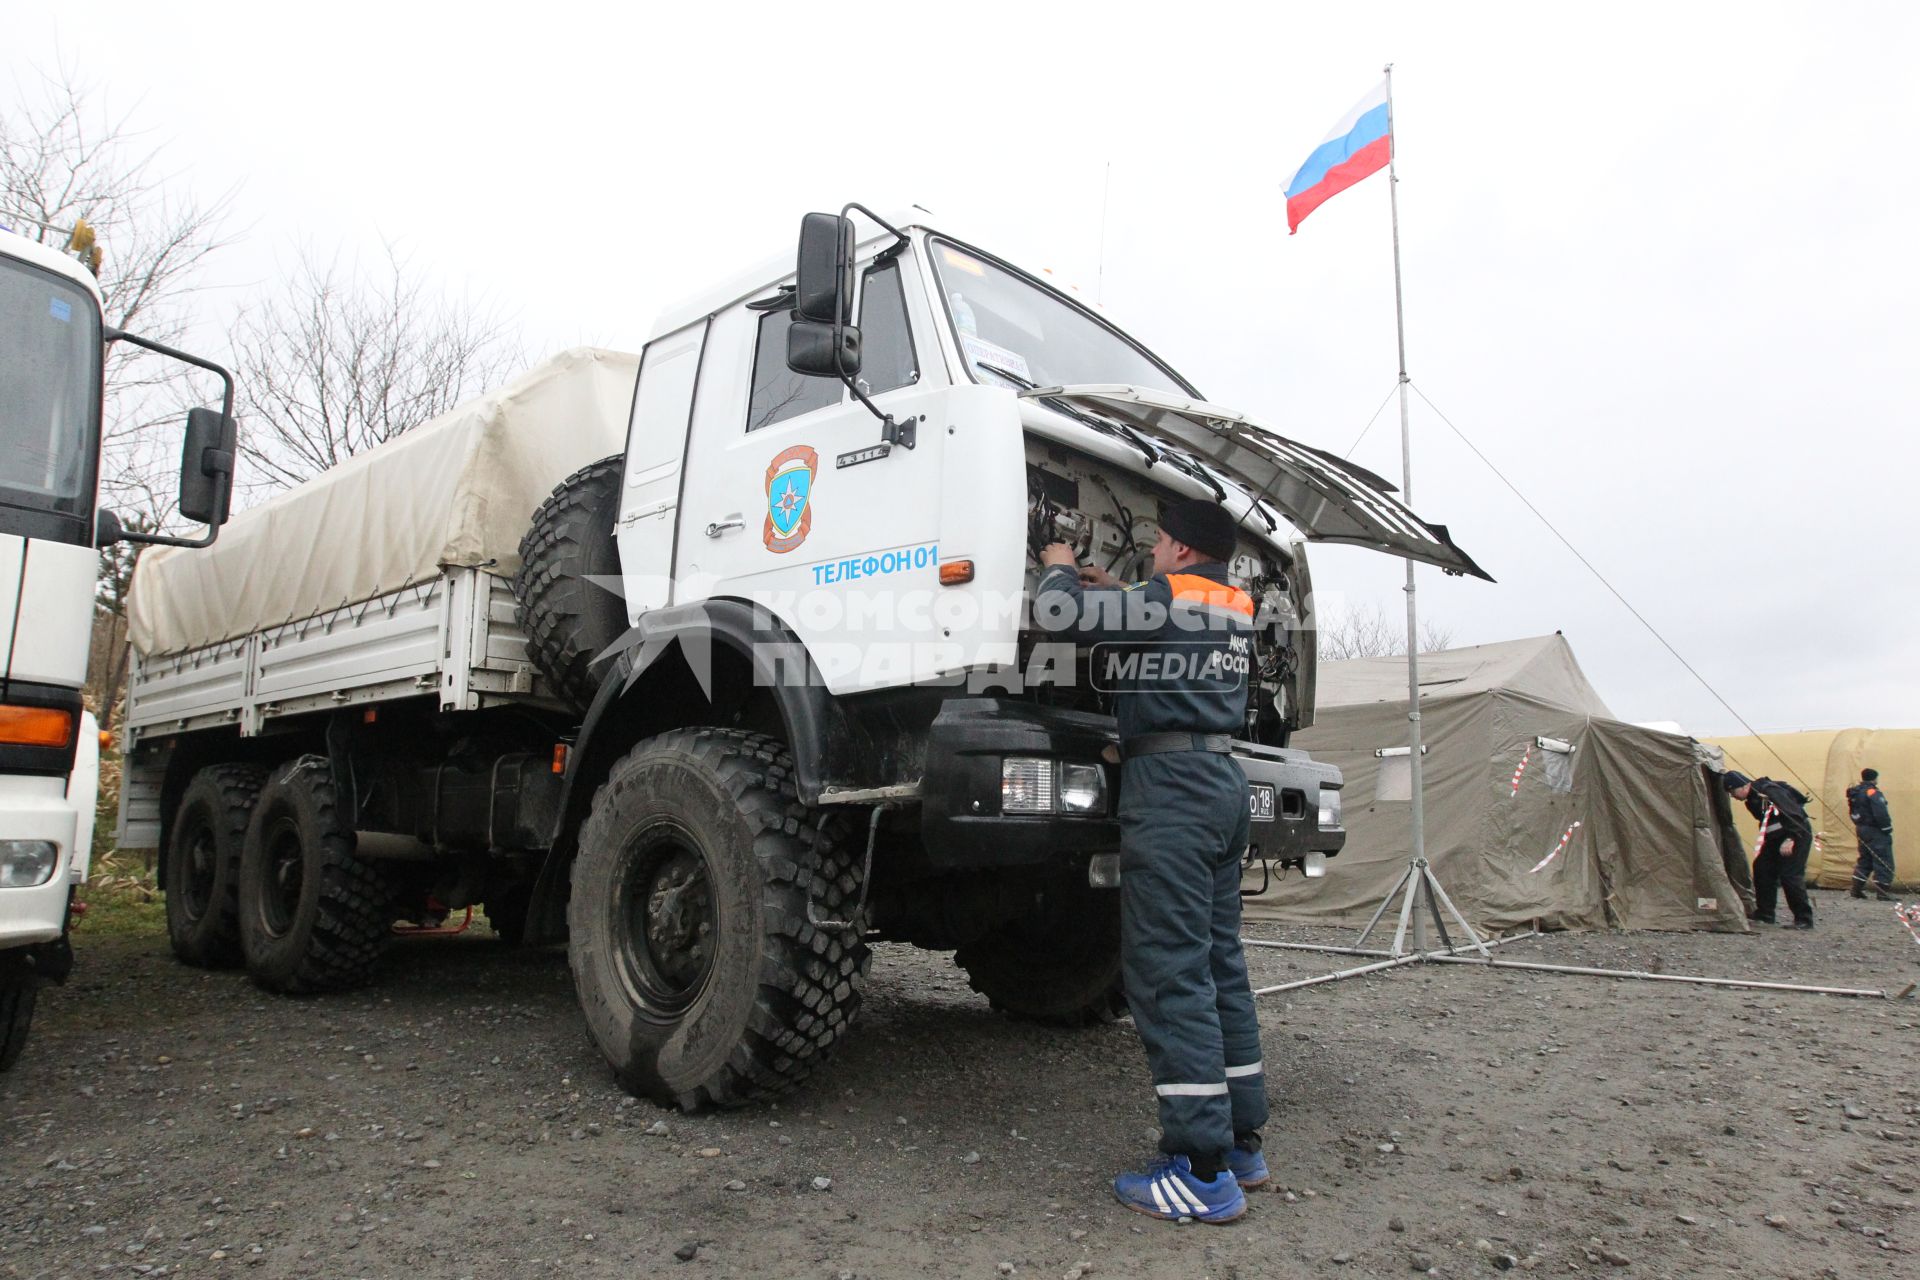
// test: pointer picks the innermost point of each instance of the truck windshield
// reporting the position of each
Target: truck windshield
(49, 398)
(1008, 325)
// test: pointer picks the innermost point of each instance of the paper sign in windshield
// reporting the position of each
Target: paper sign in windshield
(981, 352)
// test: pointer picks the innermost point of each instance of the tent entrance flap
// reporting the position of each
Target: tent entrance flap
(1328, 498)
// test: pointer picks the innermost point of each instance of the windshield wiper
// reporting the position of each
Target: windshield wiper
(1191, 466)
(1025, 384)
(1116, 429)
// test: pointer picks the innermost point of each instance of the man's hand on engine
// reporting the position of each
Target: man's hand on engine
(1094, 576)
(1058, 553)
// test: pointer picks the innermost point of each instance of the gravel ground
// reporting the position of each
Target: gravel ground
(454, 1120)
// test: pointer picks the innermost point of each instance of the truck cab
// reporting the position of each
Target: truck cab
(890, 523)
(52, 343)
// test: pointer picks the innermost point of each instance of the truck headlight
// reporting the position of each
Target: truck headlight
(26, 863)
(1329, 808)
(1083, 788)
(1026, 785)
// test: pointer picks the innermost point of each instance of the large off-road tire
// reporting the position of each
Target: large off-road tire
(313, 917)
(1059, 965)
(701, 977)
(203, 863)
(19, 990)
(570, 620)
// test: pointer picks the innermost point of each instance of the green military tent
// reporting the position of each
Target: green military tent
(1540, 806)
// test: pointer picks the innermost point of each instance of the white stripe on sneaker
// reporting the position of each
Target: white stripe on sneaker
(1184, 1199)
(1251, 1069)
(1160, 1199)
(1190, 1090)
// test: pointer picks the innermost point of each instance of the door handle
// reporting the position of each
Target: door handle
(719, 527)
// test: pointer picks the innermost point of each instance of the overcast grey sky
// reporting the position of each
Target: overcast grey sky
(1659, 258)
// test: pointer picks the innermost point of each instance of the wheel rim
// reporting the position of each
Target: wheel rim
(286, 869)
(666, 918)
(200, 865)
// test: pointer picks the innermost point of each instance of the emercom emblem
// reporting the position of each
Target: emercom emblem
(789, 495)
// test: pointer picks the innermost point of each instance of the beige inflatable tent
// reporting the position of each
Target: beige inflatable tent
(1648, 842)
(1826, 762)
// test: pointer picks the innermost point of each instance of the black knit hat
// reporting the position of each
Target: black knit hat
(1204, 526)
(1869, 775)
(1734, 780)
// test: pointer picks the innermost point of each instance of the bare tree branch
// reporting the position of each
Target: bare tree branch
(64, 158)
(341, 360)
(1369, 633)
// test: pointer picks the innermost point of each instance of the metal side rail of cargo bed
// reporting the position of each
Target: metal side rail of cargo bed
(455, 635)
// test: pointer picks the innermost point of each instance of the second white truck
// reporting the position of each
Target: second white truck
(754, 685)
(52, 359)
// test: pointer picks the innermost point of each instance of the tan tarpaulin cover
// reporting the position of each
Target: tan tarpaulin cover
(1650, 851)
(458, 491)
(1829, 761)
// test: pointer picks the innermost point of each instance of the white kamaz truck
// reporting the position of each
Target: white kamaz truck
(755, 686)
(51, 361)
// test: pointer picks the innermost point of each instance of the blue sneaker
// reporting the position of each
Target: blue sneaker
(1168, 1189)
(1249, 1167)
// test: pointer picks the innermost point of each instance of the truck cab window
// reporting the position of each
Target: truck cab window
(886, 341)
(778, 392)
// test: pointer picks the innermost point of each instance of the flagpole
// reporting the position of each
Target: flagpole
(1406, 495)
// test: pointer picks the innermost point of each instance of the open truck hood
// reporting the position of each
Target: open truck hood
(1327, 498)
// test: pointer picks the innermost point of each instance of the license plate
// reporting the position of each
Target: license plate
(1260, 801)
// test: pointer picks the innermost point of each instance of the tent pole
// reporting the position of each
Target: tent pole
(1406, 495)
(1366, 951)
(1433, 887)
(1406, 911)
(1744, 983)
(1382, 908)
(1485, 961)
(1411, 958)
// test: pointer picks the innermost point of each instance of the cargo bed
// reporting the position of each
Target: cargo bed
(455, 634)
(454, 637)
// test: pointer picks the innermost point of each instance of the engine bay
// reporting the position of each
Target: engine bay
(1110, 518)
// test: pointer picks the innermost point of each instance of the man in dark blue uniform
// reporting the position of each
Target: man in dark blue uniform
(1786, 841)
(1873, 828)
(1175, 650)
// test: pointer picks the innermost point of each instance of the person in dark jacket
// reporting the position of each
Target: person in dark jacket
(1786, 840)
(1175, 651)
(1873, 828)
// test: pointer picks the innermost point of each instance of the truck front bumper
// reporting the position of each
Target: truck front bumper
(37, 913)
(965, 794)
(57, 811)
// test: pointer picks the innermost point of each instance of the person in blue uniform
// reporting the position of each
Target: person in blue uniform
(1873, 829)
(1786, 841)
(1175, 652)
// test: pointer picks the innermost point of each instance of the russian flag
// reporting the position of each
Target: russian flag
(1360, 144)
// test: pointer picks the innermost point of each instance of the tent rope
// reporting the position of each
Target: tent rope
(1370, 421)
(1638, 616)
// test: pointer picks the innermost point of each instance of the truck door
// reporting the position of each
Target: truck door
(656, 439)
(780, 505)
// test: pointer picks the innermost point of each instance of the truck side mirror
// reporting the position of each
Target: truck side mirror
(822, 342)
(811, 349)
(206, 467)
(107, 529)
(823, 282)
